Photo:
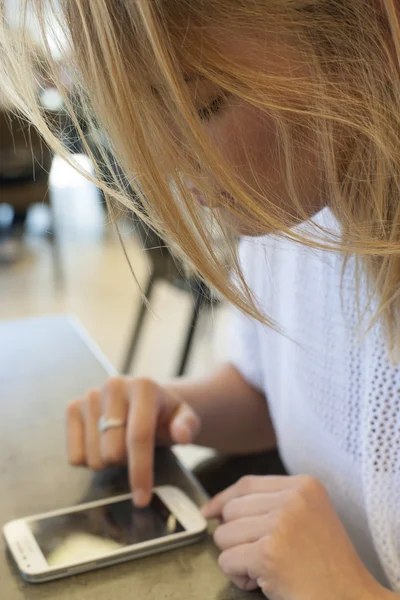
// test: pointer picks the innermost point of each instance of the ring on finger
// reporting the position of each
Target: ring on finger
(105, 424)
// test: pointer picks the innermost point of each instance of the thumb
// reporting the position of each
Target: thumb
(185, 425)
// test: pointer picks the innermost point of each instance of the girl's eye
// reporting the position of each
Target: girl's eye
(207, 112)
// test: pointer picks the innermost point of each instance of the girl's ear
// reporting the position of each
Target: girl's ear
(391, 12)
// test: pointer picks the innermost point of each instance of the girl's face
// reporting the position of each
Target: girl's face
(248, 139)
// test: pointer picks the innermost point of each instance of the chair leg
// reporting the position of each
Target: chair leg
(200, 299)
(59, 275)
(128, 360)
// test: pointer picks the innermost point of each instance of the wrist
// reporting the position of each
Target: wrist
(375, 591)
(384, 594)
(366, 587)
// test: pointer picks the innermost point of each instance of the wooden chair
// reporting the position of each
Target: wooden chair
(164, 267)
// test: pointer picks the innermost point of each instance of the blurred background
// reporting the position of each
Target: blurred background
(59, 253)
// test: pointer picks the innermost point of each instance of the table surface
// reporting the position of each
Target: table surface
(44, 363)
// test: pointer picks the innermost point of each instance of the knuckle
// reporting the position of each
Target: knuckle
(228, 512)
(297, 504)
(95, 464)
(287, 525)
(92, 400)
(142, 387)
(143, 382)
(223, 562)
(246, 483)
(218, 535)
(113, 456)
(241, 583)
(113, 384)
(276, 525)
(137, 437)
(269, 550)
(72, 408)
(76, 460)
(309, 486)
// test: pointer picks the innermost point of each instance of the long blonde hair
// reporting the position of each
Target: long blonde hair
(117, 49)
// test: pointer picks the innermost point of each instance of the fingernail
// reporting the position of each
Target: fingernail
(185, 430)
(185, 433)
(182, 421)
(205, 511)
(140, 498)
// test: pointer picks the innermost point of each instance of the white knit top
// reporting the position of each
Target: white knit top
(334, 398)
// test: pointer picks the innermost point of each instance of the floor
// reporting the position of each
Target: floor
(98, 287)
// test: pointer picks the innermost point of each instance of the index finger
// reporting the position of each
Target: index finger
(250, 484)
(140, 438)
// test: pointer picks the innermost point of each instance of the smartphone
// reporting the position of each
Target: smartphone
(102, 533)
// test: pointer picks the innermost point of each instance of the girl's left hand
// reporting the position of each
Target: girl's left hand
(283, 535)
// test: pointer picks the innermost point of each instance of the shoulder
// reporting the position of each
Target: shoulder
(284, 273)
(258, 254)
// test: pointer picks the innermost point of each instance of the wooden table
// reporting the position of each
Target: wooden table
(44, 363)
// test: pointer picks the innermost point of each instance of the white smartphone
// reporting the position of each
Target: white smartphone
(101, 533)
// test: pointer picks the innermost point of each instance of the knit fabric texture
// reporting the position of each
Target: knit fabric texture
(333, 393)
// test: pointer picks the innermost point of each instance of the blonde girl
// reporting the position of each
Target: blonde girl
(280, 119)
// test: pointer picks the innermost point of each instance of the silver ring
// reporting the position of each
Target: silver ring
(106, 424)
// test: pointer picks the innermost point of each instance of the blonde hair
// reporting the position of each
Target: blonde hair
(118, 51)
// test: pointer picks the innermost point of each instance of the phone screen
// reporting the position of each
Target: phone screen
(95, 532)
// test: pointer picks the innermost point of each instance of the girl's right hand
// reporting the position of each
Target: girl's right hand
(152, 415)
